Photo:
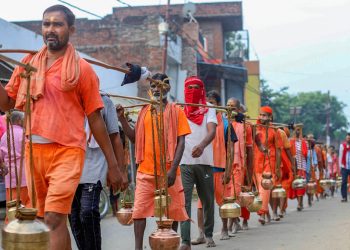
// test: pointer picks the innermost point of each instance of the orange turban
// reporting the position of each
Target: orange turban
(266, 109)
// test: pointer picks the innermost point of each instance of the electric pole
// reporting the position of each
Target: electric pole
(328, 107)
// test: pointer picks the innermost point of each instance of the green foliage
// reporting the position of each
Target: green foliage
(313, 110)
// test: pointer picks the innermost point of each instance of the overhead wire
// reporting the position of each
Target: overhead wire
(120, 1)
(193, 43)
(78, 8)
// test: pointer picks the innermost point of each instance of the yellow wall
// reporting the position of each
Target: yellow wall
(252, 90)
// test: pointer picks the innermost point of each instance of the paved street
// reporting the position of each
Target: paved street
(324, 226)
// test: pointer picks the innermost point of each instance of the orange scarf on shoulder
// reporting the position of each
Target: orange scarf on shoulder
(219, 147)
(70, 73)
(170, 132)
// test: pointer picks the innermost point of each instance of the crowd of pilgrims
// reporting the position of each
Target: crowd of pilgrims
(79, 143)
(260, 150)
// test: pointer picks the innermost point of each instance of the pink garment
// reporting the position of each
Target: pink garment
(2, 125)
(333, 166)
(18, 133)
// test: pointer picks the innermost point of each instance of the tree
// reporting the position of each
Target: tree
(313, 110)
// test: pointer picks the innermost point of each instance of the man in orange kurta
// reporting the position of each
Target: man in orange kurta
(322, 166)
(243, 152)
(64, 91)
(176, 128)
(286, 167)
(267, 152)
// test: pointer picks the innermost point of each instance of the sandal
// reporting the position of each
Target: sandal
(198, 241)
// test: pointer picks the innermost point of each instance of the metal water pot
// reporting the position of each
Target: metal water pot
(25, 233)
(332, 182)
(325, 184)
(256, 205)
(339, 181)
(298, 183)
(279, 192)
(266, 181)
(164, 238)
(230, 209)
(311, 187)
(246, 198)
(11, 209)
(124, 215)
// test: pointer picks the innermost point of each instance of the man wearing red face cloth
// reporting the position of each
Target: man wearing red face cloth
(197, 160)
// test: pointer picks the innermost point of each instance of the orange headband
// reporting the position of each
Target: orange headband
(266, 109)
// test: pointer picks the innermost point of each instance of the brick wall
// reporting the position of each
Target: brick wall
(189, 54)
(131, 34)
(202, 10)
(213, 32)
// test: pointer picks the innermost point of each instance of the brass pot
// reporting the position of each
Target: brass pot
(11, 209)
(246, 198)
(230, 209)
(160, 199)
(339, 181)
(124, 215)
(279, 192)
(332, 183)
(325, 184)
(160, 203)
(25, 233)
(256, 205)
(164, 238)
(298, 183)
(311, 187)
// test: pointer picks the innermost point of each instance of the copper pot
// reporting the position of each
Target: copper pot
(298, 183)
(266, 181)
(164, 238)
(11, 209)
(230, 209)
(256, 205)
(279, 192)
(246, 198)
(25, 233)
(267, 175)
(124, 215)
(311, 187)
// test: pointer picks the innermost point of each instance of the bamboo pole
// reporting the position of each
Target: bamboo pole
(27, 67)
(135, 106)
(101, 64)
(134, 98)
(222, 108)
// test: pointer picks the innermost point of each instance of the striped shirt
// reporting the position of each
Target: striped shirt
(300, 159)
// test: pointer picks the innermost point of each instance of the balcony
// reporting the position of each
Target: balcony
(236, 47)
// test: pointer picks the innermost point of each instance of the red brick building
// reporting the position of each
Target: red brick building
(130, 34)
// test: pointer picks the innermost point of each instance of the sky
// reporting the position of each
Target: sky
(302, 44)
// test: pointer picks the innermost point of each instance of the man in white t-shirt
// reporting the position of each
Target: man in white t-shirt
(344, 163)
(197, 160)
